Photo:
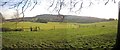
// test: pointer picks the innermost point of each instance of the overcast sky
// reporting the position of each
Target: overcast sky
(98, 10)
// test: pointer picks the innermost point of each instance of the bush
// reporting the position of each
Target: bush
(5, 29)
(8, 29)
(103, 26)
(111, 19)
(18, 29)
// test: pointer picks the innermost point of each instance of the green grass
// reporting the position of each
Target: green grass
(65, 35)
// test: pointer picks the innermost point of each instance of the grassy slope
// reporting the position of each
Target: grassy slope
(87, 36)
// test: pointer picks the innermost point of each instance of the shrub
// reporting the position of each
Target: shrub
(111, 19)
(18, 29)
(5, 29)
(8, 29)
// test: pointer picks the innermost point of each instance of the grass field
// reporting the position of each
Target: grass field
(61, 35)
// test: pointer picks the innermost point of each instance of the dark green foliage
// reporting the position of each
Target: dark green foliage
(111, 19)
(41, 20)
(5, 29)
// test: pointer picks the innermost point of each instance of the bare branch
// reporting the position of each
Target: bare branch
(28, 5)
(56, 6)
(75, 4)
(114, 1)
(23, 13)
(24, 4)
(34, 5)
(51, 4)
(4, 3)
(70, 5)
(23, 8)
(16, 5)
(90, 4)
(81, 6)
(60, 6)
(106, 2)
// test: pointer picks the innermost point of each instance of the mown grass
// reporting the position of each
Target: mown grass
(66, 35)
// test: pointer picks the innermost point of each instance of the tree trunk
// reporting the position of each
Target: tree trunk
(117, 45)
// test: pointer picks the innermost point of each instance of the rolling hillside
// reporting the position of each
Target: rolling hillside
(67, 18)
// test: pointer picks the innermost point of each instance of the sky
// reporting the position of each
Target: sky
(97, 10)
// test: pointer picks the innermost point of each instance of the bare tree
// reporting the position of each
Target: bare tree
(16, 16)
(1, 18)
(22, 4)
(57, 5)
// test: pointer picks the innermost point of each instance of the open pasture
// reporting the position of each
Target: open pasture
(61, 35)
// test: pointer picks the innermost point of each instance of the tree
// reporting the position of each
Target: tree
(117, 45)
(111, 19)
(16, 16)
(1, 18)
(58, 5)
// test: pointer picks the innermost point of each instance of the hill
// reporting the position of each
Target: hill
(67, 18)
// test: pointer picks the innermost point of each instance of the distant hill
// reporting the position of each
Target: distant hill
(67, 18)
